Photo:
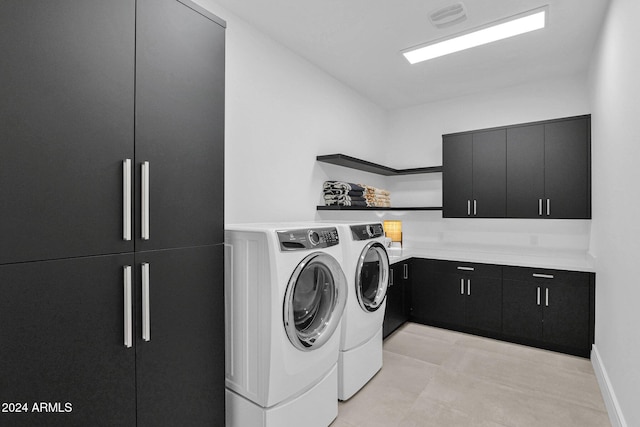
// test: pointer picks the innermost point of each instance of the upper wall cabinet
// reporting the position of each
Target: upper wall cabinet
(549, 170)
(474, 174)
(534, 170)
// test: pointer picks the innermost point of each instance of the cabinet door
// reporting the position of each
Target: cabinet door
(66, 108)
(62, 339)
(521, 309)
(567, 169)
(180, 370)
(566, 313)
(525, 171)
(483, 305)
(395, 312)
(180, 124)
(489, 174)
(445, 296)
(457, 168)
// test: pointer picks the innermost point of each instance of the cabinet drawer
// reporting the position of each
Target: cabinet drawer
(468, 268)
(540, 274)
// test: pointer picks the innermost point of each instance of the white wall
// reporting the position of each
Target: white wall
(415, 139)
(616, 202)
(282, 111)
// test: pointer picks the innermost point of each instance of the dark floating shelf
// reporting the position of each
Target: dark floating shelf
(363, 165)
(357, 208)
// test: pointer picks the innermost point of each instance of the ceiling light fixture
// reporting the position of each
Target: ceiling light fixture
(513, 26)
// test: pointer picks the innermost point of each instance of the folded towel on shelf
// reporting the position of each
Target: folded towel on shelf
(342, 198)
(341, 193)
(345, 203)
(341, 185)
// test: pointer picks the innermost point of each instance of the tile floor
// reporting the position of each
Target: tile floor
(440, 378)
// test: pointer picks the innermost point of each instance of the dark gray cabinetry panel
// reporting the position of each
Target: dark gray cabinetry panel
(180, 123)
(534, 170)
(457, 175)
(62, 339)
(489, 174)
(525, 171)
(66, 125)
(474, 174)
(398, 298)
(549, 307)
(552, 309)
(180, 370)
(456, 294)
(548, 170)
(568, 168)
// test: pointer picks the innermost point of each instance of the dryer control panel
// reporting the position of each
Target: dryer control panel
(367, 231)
(308, 238)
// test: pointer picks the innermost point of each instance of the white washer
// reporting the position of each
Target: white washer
(285, 293)
(366, 265)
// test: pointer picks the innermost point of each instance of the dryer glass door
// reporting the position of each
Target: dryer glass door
(372, 276)
(314, 302)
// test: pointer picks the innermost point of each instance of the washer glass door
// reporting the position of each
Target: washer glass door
(314, 301)
(372, 276)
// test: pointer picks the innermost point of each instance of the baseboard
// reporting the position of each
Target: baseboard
(609, 396)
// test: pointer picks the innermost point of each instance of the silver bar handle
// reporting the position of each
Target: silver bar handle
(145, 201)
(466, 268)
(475, 210)
(126, 199)
(405, 268)
(548, 207)
(546, 297)
(390, 277)
(128, 315)
(146, 318)
(539, 207)
(461, 286)
(543, 276)
(468, 286)
(538, 295)
(468, 207)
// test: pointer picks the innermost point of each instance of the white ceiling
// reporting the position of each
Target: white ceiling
(359, 43)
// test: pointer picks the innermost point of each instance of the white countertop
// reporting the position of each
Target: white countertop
(557, 259)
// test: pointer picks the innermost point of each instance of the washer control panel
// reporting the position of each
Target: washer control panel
(367, 231)
(308, 238)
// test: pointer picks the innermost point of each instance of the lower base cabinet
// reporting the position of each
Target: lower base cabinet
(63, 327)
(398, 298)
(551, 309)
(458, 294)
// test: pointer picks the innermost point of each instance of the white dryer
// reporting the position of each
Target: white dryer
(366, 265)
(285, 294)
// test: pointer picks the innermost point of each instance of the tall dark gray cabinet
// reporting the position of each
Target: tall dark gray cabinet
(111, 213)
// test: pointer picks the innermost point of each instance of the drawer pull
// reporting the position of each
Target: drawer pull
(538, 295)
(466, 268)
(461, 286)
(469, 287)
(543, 276)
(405, 269)
(468, 207)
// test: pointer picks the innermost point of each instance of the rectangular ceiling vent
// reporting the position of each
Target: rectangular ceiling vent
(448, 15)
